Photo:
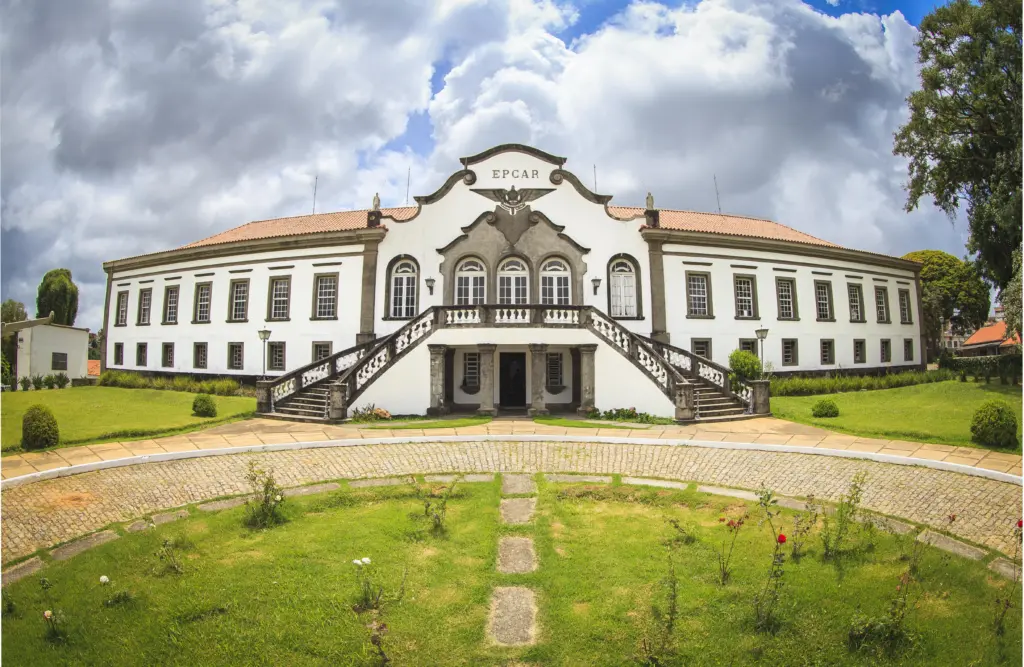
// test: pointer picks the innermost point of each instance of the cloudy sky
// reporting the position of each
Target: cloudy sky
(132, 126)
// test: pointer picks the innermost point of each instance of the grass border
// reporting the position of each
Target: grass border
(579, 423)
(463, 422)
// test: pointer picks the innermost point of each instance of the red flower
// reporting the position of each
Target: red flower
(952, 518)
(1020, 523)
(721, 519)
(782, 538)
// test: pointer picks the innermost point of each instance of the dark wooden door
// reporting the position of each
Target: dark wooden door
(512, 379)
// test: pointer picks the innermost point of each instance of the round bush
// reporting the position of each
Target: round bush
(744, 364)
(995, 425)
(826, 407)
(203, 406)
(39, 428)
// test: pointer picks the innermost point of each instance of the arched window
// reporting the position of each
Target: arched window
(554, 283)
(622, 289)
(403, 289)
(513, 281)
(470, 283)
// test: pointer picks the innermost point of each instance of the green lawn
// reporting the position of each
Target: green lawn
(577, 423)
(462, 422)
(285, 596)
(937, 413)
(102, 414)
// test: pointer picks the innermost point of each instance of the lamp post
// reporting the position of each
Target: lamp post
(761, 334)
(264, 336)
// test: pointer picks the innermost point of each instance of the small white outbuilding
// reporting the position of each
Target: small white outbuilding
(45, 348)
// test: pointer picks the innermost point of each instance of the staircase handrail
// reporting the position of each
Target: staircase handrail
(283, 386)
(637, 349)
(700, 367)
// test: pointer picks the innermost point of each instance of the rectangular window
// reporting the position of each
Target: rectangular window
(554, 366)
(239, 306)
(122, 309)
(275, 356)
(860, 355)
(167, 355)
(512, 290)
(171, 304)
(785, 289)
(59, 361)
(746, 297)
(886, 351)
(326, 297)
(856, 293)
(202, 303)
(280, 297)
(823, 300)
(904, 297)
(321, 350)
(145, 306)
(698, 295)
(908, 349)
(141, 352)
(119, 354)
(790, 354)
(623, 290)
(199, 355)
(749, 345)
(235, 360)
(554, 290)
(828, 352)
(471, 370)
(882, 304)
(701, 347)
(403, 295)
(469, 290)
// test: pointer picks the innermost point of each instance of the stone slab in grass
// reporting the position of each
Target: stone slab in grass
(21, 570)
(952, 546)
(1004, 568)
(889, 525)
(516, 556)
(78, 546)
(311, 489)
(167, 517)
(732, 493)
(791, 503)
(225, 504)
(512, 485)
(661, 483)
(513, 616)
(596, 479)
(476, 477)
(384, 481)
(137, 526)
(517, 510)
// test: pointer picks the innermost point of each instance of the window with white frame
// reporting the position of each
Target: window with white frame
(904, 296)
(745, 306)
(701, 347)
(171, 304)
(199, 355)
(321, 350)
(275, 356)
(122, 309)
(785, 289)
(554, 370)
(622, 289)
(236, 361)
(856, 297)
(882, 304)
(145, 305)
(471, 370)
(823, 299)
(513, 283)
(554, 283)
(698, 301)
(886, 350)
(118, 354)
(403, 290)
(202, 309)
(280, 297)
(326, 297)
(470, 283)
(789, 352)
(239, 301)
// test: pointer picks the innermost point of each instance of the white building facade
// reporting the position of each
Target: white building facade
(513, 286)
(45, 349)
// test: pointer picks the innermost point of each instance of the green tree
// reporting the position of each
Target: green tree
(58, 294)
(1010, 297)
(964, 133)
(951, 289)
(11, 311)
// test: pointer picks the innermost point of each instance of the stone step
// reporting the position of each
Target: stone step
(305, 400)
(516, 555)
(517, 511)
(513, 485)
(513, 616)
(293, 418)
(299, 411)
(718, 412)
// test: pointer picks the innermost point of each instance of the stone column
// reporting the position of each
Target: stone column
(486, 351)
(657, 271)
(760, 396)
(263, 395)
(586, 379)
(368, 293)
(538, 357)
(684, 402)
(437, 406)
(337, 408)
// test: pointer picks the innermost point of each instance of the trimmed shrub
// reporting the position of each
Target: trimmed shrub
(825, 408)
(809, 386)
(50, 381)
(26, 383)
(995, 425)
(37, 381)
(39, 428)
(203, 406)
(61, 380)
(745, 365)
(127, 380)
(1003, 366)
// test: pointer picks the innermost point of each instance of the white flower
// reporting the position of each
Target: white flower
(357, 562)
(366, 561)
(47, 614)
(277, 499)
(104, 579)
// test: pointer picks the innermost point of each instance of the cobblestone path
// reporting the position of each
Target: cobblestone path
(45, 513)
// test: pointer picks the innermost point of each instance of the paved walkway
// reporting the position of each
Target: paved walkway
(763, 431)
(52, 511)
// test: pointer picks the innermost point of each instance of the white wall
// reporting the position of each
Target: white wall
(725, 330)
(37, 345)
(298, 333)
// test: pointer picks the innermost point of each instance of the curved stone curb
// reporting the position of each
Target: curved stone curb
(784, 449)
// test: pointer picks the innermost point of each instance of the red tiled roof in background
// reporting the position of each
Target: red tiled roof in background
(717, 223)
(94, 367)
(993, 333)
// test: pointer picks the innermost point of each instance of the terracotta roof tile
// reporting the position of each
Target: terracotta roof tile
(94, 367)
(717, 223)
(993, 333)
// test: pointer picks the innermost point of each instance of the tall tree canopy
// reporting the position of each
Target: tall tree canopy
(964, 134)
(1010, 297)
(58, 294)
(12, 311)
(951, 289)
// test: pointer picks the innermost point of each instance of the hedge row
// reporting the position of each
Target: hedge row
(127, 380)
(997, 365)
(798, 386)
